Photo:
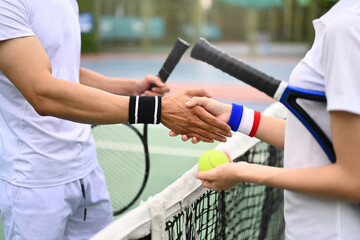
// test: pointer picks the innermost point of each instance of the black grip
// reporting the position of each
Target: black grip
(208, 53)
(172, 60)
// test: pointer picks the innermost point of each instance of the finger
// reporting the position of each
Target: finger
(211, 185)
(211, 123)
(205, 175)
(200, 129)
(205, 135)
(196, 101)
(184, 138)
(194, 140)
(228, 156)
(161, 90)
(201, 175)
(205, 139)
(149, 93)
(155, 80)
(199, 92)
(153, 93)
(207, 184)
(172, 134)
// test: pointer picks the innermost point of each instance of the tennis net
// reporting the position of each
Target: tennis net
(186, 210)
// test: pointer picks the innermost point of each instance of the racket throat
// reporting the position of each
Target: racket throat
(289, 99)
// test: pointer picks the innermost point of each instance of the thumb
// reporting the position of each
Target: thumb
(196, 101)
(155, 80)
(198, 92)
(203, 175)
(228, 156)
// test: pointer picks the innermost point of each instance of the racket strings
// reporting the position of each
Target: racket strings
(121, 155)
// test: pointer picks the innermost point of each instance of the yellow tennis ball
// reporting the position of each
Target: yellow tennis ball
(211, 158)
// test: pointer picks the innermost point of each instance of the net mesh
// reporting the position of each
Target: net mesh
(247, 211)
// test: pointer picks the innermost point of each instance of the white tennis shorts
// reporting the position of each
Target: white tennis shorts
(56, 212)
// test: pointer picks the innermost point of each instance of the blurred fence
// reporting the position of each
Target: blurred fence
(150, 23)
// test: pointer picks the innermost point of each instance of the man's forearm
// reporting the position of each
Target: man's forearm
(80, 103)
(28, 67)
(119, 86)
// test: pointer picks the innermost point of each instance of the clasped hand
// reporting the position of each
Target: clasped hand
(220, 111)
(188, 118)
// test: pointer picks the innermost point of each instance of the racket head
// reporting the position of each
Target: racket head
(123, 155)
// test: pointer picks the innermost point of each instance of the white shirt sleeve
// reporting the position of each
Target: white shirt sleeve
(341, 63)
(15, 18)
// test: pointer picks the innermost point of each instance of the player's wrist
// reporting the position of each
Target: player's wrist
(145, 109)
(227, 112)
(244, 120)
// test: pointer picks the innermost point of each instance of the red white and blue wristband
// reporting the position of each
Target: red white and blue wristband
(244, 120)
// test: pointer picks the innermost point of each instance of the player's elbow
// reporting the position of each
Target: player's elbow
(41, 100)
(355, 193)
(349, 178)
(41, 105)
(351, 188)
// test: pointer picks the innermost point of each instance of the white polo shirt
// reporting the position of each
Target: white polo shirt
(38, 151)
(331, 65)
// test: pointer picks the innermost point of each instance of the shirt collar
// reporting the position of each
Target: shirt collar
(320, 23)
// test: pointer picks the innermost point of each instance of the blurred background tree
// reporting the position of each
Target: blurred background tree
(152, 25)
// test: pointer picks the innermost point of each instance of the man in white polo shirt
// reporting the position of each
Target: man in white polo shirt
(47, 153)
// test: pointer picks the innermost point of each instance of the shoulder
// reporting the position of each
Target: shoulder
(17, 8)
(345, 24)
(342, 33)
(15, 5)
(15, 18)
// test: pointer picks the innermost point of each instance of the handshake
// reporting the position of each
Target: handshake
(190, 114)
(193, 114)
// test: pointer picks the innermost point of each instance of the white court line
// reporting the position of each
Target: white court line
(153, 149)
(175, 151)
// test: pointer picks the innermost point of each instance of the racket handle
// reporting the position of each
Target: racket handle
(208, 53)
(172, 60)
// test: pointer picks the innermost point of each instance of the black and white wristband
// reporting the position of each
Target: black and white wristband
(144, 109)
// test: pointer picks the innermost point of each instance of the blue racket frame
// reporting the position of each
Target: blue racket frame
(289, 97)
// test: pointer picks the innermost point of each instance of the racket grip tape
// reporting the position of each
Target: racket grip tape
(206, 52)
(172, 60)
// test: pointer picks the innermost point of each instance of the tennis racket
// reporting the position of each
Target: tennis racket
(277, 89)
(122, 149)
